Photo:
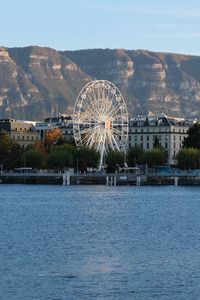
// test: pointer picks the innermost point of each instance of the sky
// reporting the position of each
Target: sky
(155, 25)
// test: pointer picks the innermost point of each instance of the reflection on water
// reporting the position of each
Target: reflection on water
(97, 242)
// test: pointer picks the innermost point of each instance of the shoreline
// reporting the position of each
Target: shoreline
(114, 179)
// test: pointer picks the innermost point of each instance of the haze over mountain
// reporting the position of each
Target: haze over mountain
(36, 82)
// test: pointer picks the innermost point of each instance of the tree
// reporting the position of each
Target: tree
(188, 158)
(51, 137)
(155, 157)
(86, 158)
(114, 158)
(136, 155)
(9, 151)
(193, 138)
(39, 146)
(61, 157)
(33, 159)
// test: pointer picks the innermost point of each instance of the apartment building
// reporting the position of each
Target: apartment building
(169, 132)
(22, 132)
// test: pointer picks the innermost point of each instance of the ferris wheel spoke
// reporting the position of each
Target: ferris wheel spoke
(109, 134)
(115, 130)
(114, 112)
(85, 130)
(115, 108)
(92, 103)
(90, 113)
(86, 123)
(115, 142)
(91, 139)
(85, 138)
(89, 130)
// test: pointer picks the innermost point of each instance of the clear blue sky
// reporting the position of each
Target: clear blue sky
(157, 25)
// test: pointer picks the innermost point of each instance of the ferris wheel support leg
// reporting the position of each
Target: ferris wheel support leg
(101, 159)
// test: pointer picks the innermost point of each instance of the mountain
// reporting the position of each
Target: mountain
(36, 82)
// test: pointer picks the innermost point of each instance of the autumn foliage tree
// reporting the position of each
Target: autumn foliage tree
(39, 146)
(50, 138)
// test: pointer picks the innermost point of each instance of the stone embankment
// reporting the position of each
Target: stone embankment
(99, 178)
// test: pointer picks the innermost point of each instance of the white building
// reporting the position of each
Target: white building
(170, 132)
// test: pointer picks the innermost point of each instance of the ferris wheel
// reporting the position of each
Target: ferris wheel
(100, 118)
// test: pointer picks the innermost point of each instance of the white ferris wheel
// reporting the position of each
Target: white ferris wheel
(100, 118)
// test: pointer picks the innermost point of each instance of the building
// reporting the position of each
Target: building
(63, 122)
(169, 132)
(22, 132)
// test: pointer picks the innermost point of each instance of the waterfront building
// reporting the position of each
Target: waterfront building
(22, 132)
(64, 123)
(169, 132)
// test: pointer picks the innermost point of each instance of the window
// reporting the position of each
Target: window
(166, 145)
(174, 137)
(141, 138)
(129, 137)
(147, 145)
(174, 145)
(180, 137)
(147, 137)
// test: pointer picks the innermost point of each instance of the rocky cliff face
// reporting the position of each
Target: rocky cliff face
(36, 82)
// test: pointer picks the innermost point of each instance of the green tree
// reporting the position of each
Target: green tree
(193, 138)
(86, 158)
(136, 155)
(114, 158)
(188, 158)
(155, 157)
(61, 157)
(9, 151)
(33, 159)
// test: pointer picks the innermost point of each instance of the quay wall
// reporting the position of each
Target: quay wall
(99, 179)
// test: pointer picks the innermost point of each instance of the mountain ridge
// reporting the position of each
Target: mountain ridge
(36, 82)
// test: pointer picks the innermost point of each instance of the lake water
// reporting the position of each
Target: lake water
(97, 242)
